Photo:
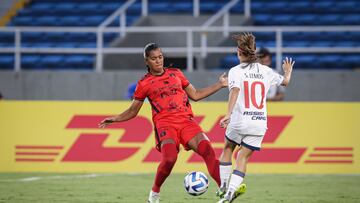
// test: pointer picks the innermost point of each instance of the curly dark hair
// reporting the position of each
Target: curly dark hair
(149, 47)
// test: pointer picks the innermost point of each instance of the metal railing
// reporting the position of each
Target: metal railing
(223, 12)
(189, 49)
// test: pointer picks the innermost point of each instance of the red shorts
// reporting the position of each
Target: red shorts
(181, 131)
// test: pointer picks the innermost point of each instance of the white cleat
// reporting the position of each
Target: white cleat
(154, 197)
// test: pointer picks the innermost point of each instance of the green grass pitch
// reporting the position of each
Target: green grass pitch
(134, 188)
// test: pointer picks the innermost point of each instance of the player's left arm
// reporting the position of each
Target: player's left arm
(287, 67)
(198, 94)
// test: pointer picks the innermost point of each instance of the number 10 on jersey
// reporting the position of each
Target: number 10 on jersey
(251, 93)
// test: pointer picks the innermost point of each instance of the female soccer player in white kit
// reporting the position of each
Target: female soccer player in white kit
(246, 118)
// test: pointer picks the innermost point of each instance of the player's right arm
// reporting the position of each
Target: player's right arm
(233, 95)
(234, 87)
(128, 114)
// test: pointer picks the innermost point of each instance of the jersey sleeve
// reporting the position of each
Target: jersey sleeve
(140, 93)
(184, 81)
(234, 79)
(275, 78)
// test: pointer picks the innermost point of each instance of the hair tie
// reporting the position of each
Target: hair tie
(240, 50)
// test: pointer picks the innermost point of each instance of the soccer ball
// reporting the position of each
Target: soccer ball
(196, 183)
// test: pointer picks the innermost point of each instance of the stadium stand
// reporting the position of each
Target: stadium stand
(308, 13)
(87, 13)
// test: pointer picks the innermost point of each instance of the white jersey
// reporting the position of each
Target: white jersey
(273, 90)
(249, 115)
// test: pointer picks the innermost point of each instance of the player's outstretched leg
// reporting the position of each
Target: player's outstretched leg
(169, 155)
(205, 150)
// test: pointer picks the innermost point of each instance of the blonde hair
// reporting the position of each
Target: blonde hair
(246, 46)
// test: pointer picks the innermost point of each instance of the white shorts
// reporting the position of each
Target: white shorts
(252, 142)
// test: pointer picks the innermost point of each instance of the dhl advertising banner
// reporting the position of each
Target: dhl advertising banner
(46, 136)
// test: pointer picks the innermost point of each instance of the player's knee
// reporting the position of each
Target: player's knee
(169, 161)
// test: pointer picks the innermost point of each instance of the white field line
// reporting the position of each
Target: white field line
(37, 178)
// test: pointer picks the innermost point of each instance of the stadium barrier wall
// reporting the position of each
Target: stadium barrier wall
(78, 85)
(58, 136)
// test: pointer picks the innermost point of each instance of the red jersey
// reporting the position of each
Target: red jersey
(166, 94)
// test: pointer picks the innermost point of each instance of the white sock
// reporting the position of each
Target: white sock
(236, 179)
(225, 172)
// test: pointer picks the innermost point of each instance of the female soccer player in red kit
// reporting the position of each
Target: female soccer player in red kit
(168, 92)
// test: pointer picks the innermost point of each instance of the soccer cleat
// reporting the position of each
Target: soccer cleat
(154, 197)
(241, 190)
(221, 192)
(229, 197)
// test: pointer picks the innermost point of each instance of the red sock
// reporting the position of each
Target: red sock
(169, 156)
(205, 150)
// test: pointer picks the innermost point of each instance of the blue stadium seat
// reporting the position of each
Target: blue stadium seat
(80, 38)
(283, 20)
(52, 61)
(264, 35)
(306, 19)
(238, 8)
(7, 44)
(46, 21)
(32, 36)
(159, 7)
(352, 19)
(54, 36)
(352, 60)
(90, 9)
(42, 6)
(210, 7)
(229, 61)
(65, 7)
(333, 19)
(296, 43)
(7, 37)
(320, 44)
(277, 6)
(93, 20)
(262, 19)
(182, 7)
(304, 61)
(348, 44)
(135, 9)
(79, 61)
(38, 44)
(86, 44)
(30, 62)
(6, 61)
(22, 21)
(70, 21)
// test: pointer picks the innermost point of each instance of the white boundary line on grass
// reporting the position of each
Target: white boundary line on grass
(36, 178)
